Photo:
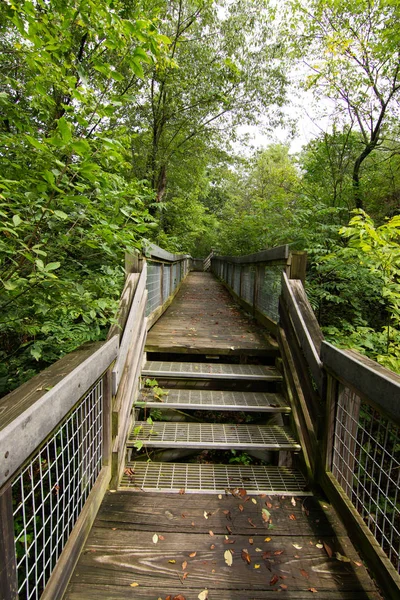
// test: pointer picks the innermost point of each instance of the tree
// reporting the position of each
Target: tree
(354, 58)
(224, 68)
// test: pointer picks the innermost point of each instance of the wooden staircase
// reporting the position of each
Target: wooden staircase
(220, 390)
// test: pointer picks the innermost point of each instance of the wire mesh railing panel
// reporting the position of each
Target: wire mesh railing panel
(166, 282)
(153, 285)
(51, 490)
(366, 463)
(269, 290)
(236, 279)
(248, 273)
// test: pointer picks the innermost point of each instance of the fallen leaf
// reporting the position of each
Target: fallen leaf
(266, 555)
(278, 552)
(211, 532)
(242, 492)
(184, 576)
(274, 579)
(341, 557)
(192, 523)
(304, 573)
(293, 501)
(283, 586)
(134, 584)
(251, 541)
(228, 557)
(184, 565)
(155, 538)
(246, 556)
(268, 504)
(212, 547)
(265, 515)
(251, 523)
(257, 566)
(241, 507)
(179, 597)
(169, 515)
(319, 545)
(328, 549)
(229, 529)
(161, 537)
(254, 501)
(219, 496)
(172, 561)
(182, 491)
(359, 564)
(228, 541)
(258, 550)
(267, 539)
(292, 517)
(313, 590)
(203, 595)
(192, 554)
(297, 546)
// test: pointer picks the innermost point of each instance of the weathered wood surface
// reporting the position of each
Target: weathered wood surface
(368, 378)
(295, 556)
(124, 305)
(280, 253)
(42, 402)
(204, 319)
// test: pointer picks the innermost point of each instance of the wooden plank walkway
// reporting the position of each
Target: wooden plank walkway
(204, 319)
(301, 551)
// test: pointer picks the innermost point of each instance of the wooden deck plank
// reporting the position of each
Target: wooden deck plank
(121, 551)
(201, 320)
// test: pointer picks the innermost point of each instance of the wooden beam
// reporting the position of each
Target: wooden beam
(153, 251)
(367, 378)
(298, 266)
(8, 568)
(131, 328)
(124, 305)
(280, 253)
(29, 422)
(305, 325)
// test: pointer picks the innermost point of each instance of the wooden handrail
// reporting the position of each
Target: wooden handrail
(153, 251)
(280, 253)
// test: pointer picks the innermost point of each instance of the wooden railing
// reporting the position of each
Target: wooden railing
(346, 407)
(62, 437)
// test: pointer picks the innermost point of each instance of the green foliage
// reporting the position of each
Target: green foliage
(70, 205)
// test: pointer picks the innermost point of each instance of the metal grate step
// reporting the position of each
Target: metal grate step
(210, 371)
(212, 435)
(194, 478)
(216, 400)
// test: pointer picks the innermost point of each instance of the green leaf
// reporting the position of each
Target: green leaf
(52, 266)
(65, 130)
(137, 69)
(60, 214)
(35, 143)
(49, 177)
(9, 285)
(17, 220)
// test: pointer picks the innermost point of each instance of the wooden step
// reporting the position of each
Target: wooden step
(212, 435)
(220, 479)
(185, 370)
(216, 400)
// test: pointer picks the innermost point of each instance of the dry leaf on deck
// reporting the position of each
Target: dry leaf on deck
(241, 507)
(292, 517)
(228, 557)
(184, 564)
(265, 515)
(211, 532)
(251, 523)
(313, 590)
(246, 556)
(155, 538)
(274, 579)
(192, 554)
(304, 573)
(328, 550)
(203, 595)
(134, 584)
(293, 501)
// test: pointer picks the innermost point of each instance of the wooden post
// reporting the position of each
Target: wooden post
(298, 265)
(132, 263)
(107, 414)
(329, 430)
(8, 567)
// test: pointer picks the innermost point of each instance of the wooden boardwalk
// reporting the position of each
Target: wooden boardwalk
(204, 319)
(301, 552)
(217, 546)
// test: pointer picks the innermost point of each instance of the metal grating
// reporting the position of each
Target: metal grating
(236, 279)
(269, 291)
(366, 463)
(153, 286)
(212, 435)
(248, 273)
(166, 282)
(194, 478)
(50, 491)
(218, 400)
(210, 370)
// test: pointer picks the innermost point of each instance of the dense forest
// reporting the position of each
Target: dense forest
(123, 121)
